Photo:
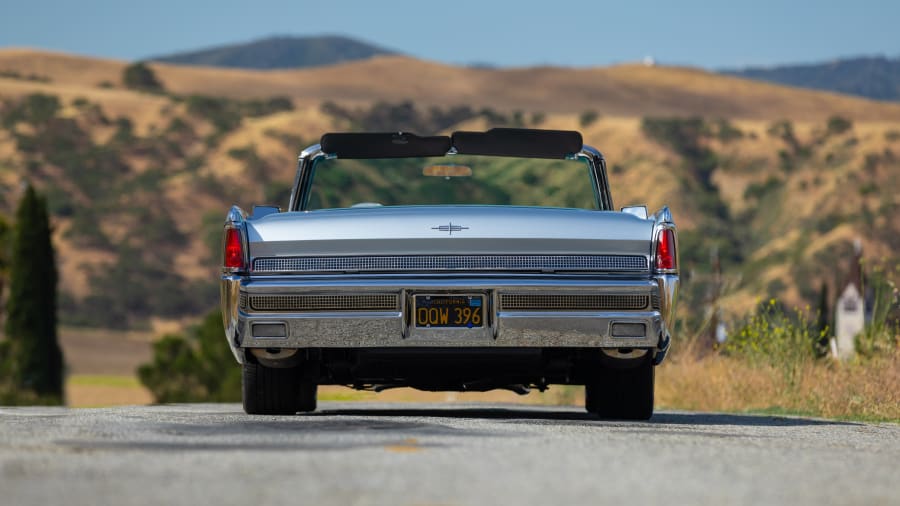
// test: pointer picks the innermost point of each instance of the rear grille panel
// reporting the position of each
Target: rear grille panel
(370, 302)
(607, 302)
(584, 263)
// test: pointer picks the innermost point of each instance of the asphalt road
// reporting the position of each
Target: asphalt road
(418, 454)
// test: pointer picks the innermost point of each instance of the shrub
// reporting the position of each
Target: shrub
(587, 118)
(218, 111)
(684, 136)
(784, 130)
(255, 108)
(882, 334)
(756, 191)
(35, 109)
(726, 132)
(138, 76)
(773, 338)
(194, 368)
(838, 125)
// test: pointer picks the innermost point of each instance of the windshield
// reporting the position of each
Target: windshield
(455, 179)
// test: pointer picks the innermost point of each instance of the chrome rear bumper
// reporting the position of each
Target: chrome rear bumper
(247, 328)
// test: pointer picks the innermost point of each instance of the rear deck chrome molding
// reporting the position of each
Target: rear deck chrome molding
(411, 263)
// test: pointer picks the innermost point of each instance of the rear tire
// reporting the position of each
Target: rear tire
(271, 391)
(621, 394)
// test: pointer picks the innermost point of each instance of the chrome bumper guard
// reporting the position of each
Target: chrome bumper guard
(245, 328)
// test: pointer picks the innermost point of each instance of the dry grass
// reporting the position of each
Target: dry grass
(866, 390)
(92, 391)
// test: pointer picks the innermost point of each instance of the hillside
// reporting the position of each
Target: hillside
(278, 53)
(139, 183)
(622, 90)
(877, 78)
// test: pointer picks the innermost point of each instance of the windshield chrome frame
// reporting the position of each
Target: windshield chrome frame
(311, 156)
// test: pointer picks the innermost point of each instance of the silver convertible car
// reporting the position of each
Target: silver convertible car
(469, 262)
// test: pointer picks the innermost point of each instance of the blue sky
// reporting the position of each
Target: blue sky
(561, 32)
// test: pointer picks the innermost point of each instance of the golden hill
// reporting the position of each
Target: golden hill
(621, 90)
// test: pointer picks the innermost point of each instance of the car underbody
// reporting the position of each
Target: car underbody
(453, 369)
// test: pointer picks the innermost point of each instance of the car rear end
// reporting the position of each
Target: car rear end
(467, 298)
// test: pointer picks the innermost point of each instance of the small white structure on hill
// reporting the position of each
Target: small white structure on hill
(850, 310)
(849, 319)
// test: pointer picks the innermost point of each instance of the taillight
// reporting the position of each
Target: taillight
(234, 249)
(665, 250)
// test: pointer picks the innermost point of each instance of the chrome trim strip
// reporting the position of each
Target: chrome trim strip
(411, 263)
(601, 181)
(355, 285)
(305, 166)
(229, 290)
(668, 288)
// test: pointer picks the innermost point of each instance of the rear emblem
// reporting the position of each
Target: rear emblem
(450, 228)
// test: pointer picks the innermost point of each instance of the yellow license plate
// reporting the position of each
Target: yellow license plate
(453, 311)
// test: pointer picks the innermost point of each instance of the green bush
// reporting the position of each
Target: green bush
(882, 333)
(773, 338)
(35, 109)
(756, 191)
(221, 112)
(726, 132)
(255, 108)
(685, 137)
(138, 76)
(587, 118)
(838, 125)
(198, 367)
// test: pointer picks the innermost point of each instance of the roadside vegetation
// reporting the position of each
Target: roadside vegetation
(196, 367)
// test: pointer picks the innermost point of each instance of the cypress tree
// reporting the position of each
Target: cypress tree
(31, 310)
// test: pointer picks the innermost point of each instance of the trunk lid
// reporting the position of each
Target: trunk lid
(449, 230)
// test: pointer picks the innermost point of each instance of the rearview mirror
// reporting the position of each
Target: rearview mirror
(447, 171)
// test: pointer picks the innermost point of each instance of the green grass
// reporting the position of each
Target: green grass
(104, 380)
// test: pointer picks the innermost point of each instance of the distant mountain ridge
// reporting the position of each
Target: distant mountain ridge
(875, 77)
(281, 52)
